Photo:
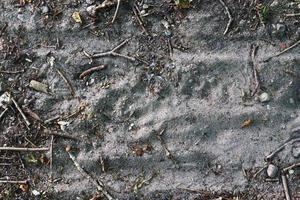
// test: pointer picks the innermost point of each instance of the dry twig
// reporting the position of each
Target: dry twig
(51, 158)
(292, 15)
(91, 70)
(138, 17)
(97, 183)
(113, 53)
(282, 52)
(286, 187)
(66, 81)
(116, 12)
(291, 167)
(13, 182)
(3, 112)
(21, 112)
(280, 148)
(169, 155)
(259, 171)
(229, 16)
(255, 72)
(23, 149)
(11, 72)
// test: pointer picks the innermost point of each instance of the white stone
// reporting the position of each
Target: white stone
(264, 97)
(272, 171)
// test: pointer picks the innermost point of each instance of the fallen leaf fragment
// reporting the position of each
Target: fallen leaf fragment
(38, 86)
(247, 123)
(76, 17)
(24, 187)
(183, 3)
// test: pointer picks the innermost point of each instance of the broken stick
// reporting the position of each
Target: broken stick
(13, 182)
(138, 17)
(97, 183)
(255, 72)
(51, 158)
(113, 53)
(116, 12)
(280, 148)
(21, 112)
(2, 114)
(291, 167)
(90, 71)
(23, 149)
(169, 155)
(282, 52)
(230, 20)
(66, 81)
(286, 187)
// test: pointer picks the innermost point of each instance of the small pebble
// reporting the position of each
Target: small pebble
(165, 23)
(272, 171)
(91, 10)
(168, 33)
(274, 3)
(90, 1)
(264, 97)
(280, 27)
(296, 150)
(145, 6)
(45, 10)
(36, 193)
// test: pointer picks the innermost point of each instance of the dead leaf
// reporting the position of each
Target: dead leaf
(22, 3)
(24, 187)
(247, 123)
(32, 114)
(76, 17)
(31, 159)
(44, 160)
(137, 150)
(183, 3)
(38, 86)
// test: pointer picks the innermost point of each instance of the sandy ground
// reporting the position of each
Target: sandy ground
(197, 96)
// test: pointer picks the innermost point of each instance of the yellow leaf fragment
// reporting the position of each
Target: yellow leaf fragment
(247, 123)
(76, 17)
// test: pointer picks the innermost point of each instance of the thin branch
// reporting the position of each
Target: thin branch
(51, 158)
(13, 182)
(259, 171)
(230, 20)
(113, 52)
(21, 112)
(116, 12)
(2, 114)
(66, 81)
(138, 17)
(286, 187)
(280, 148)
(11, 72)
(90, 71)
(97, 183)
(168, 153)
(255, 72)
(23, 149)
(282, 52)
(291, 167)
(292, 15)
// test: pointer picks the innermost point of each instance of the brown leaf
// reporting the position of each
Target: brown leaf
(32, 114)
(44, 160)
(24, 187)
(137, 150)
(247, 123)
